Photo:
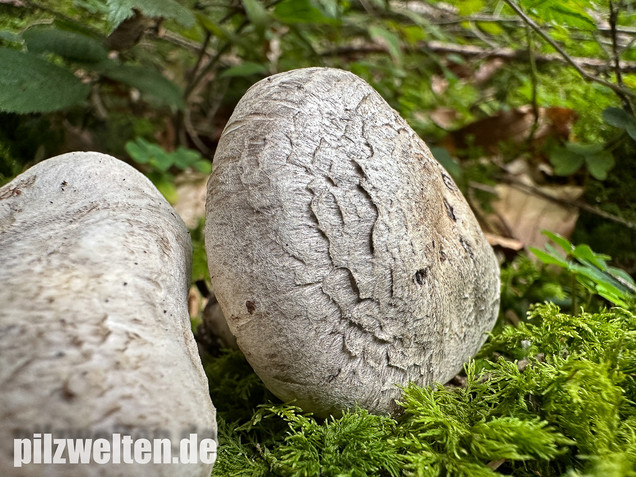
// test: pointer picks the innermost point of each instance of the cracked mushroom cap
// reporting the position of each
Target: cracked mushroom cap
(344, 257)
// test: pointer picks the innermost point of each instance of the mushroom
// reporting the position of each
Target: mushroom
(344, 257)
(95, 337)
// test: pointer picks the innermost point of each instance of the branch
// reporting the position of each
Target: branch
(621, 92)
(613, 19)
(503, 53)
(571, 203)
(509, 53)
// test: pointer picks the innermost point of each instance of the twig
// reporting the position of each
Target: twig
(202, 53)
(191, 131)
(584, 74)
(534, 83)
(477, 51)
(613, 18)
(571, 203)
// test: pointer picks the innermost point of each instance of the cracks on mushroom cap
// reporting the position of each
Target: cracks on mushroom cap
(449, 211)
(374, 208)
(467, 247)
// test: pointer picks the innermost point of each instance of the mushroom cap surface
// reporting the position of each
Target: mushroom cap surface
(343, 255)
(95, 335)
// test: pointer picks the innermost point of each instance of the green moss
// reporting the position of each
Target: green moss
(552, 396)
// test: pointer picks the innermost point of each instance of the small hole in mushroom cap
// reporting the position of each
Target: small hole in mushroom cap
(420, 276)
(251, 306)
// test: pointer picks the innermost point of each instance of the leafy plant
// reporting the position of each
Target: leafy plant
(590, 269)
(160, 163)
(569, 159)
(30, 84)
(523, 283)
(621, 119)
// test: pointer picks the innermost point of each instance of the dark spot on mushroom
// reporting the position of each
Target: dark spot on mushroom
(420, 276)
(332, 377)
(449, 211)
(165, 311)
(251, 306)
(67, 393)
(125, 283)
(448, 182)
(62, 185)
(467, 247)
(442, 255)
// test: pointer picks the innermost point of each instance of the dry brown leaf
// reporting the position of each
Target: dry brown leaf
(522, 215)
(512, 126)
(443, 117)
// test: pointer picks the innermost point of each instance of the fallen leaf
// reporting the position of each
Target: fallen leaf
(512, 126)
(522, 214)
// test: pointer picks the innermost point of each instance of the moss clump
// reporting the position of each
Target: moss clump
(553, 396)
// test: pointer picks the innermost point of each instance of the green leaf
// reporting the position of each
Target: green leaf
(29, 84)
(597, 277)
(137, 151)
(146, 80)
(446, 160)
(9, 37)
(391, 41)
(621, 119)
(616, 117)
(301, 11)
(247, 68)
(492, 28)
(222, 33)
(67, 44)
(584, 149)
(165, 184)
(583, 252)
(570, 13)
(561, 241)
(611, 297)
(468, 7)
(600, 164)
(550, 259)
(120, 10)
(565, 162)
(623, 278)
(145, 152)
(203, 166)
(256, 13)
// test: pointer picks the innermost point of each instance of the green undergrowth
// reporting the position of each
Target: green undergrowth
(551, 396)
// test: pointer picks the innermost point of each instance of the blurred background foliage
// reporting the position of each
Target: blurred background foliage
(528, 103)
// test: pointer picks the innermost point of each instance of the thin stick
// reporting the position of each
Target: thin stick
(584, 74)
(613, 18)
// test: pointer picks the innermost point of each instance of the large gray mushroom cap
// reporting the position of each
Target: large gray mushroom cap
(95, 335)
(344, 257)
